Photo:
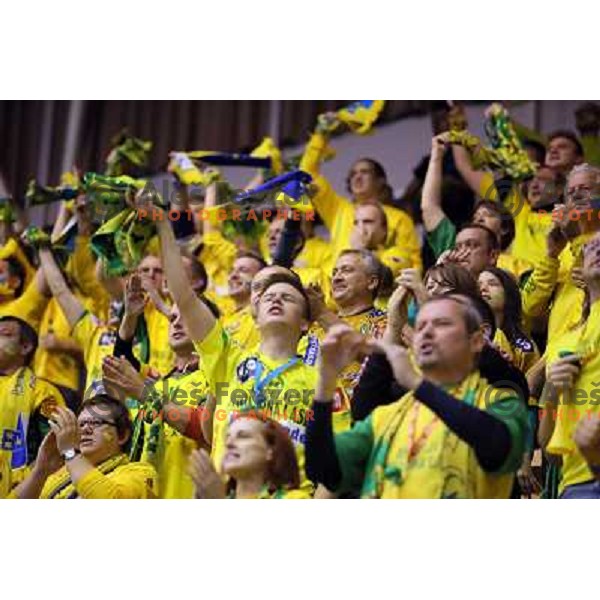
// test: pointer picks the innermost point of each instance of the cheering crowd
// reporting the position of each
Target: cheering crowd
(297, 341)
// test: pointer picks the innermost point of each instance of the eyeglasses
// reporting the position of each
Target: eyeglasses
(95, 423)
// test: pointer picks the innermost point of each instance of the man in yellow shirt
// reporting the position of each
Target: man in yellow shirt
(366, 183)
(563, 152)
(355, 281)
(84, 457)
(26, 402)
(450, 436)
(237, 323)
(571, 394)
(554, 287)
(156, 321)
(370, 233)
(163, 407)
(271, 378)
(95, 338)
(531, 205)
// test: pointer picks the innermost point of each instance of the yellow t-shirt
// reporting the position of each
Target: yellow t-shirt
(531, 226)
(97, 342)
(403, 450)
(29, 306)
(217, 255)
(60, 368)
(161, 357)
(585, 342)
(131, 481)
(315, 254)
(232, 372)
(338, 213)
(174, 449)
(22, 395)
(241, 328)
(370, 323)
(551, 288)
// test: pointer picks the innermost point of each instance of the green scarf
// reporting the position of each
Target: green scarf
(129, 155)
(506, 154)
(122, 241)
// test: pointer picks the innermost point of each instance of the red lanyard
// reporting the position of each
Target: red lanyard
(415, 445)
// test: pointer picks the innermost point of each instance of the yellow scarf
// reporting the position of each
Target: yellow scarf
(415, 455)
(64, 487)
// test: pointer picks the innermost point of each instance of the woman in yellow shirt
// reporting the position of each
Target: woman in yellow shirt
(85, 457)
(501, 292)
(259, 462)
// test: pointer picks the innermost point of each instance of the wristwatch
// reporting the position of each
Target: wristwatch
(70, 454)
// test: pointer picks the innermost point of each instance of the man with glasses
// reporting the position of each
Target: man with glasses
(85, 457)
(556, 284)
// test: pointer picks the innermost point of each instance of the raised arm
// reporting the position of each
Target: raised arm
(69, 304)
(431, 197)
(196, 316)
(472, 177)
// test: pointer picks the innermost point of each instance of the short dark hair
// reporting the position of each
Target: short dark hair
(507, 229)
(294, 281)
(568, 135)
(26, 334)
(119, 413)
(257, 257)
(493, 242)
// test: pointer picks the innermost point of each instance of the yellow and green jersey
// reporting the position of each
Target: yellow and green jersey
(24, 399)
(403, 450)
(584, 401)
(244, 379)
(167, 449)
